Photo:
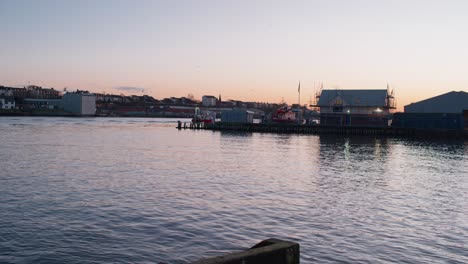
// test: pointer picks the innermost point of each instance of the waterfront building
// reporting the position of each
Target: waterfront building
(7, 102)
(209, 100)
(45, 104)
(451, 102)
(448, 111)
(355, 107)
(237, 116)
(80, 103)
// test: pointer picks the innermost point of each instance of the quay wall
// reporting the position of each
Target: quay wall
(321, 129)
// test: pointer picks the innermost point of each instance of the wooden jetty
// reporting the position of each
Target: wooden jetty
(191, 125)
(319, 129)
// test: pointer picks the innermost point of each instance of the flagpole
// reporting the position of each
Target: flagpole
(299, 91)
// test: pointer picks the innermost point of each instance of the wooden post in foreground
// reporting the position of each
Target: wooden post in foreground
(272, 251)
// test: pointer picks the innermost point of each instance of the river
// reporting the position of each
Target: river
(137, 190)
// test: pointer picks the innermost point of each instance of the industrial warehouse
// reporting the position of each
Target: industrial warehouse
(447, 112)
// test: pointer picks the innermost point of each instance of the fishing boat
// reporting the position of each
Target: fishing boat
(206, 117)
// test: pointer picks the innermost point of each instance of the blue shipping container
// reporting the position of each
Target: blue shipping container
(237, 116)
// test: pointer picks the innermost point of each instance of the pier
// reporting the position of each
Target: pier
(192, 125)
(320, 129)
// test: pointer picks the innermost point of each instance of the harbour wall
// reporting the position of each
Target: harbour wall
(320, 129)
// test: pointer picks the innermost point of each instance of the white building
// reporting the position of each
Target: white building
(80, 103)
(5, 91)
(355, 107)
(209, 100)
(356, 101)
(7, 102)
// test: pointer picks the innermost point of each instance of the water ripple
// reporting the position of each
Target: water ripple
(138, 191)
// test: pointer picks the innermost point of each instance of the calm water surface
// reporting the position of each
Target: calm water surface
(98, 190)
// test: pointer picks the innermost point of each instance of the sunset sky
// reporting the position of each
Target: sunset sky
(246, 50)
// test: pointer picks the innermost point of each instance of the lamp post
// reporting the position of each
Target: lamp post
(349, 117)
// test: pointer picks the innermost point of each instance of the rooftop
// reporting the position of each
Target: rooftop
(374, 97)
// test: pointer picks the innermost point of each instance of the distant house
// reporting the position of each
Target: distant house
(104, 98)
(5, 91)
(169, 101)
(452, 102)
(149, 99)
(187, 101)
(31, 91)
(209, 100)
(80, 103)
(231, 102)
(236, 103)
(109, 98)
(7, 102)
(38, 92)
(355, 107)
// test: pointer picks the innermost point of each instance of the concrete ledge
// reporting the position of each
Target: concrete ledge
(272, 251)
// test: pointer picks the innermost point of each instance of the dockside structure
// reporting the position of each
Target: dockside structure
(448, 111)
(80, 103)
(237, 116)
(340, 107)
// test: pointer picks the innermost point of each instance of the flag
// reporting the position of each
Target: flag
(299, 88)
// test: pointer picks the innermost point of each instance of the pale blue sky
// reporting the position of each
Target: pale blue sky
(248, 50)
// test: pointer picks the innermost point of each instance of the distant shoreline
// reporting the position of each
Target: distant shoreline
(25, 114)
